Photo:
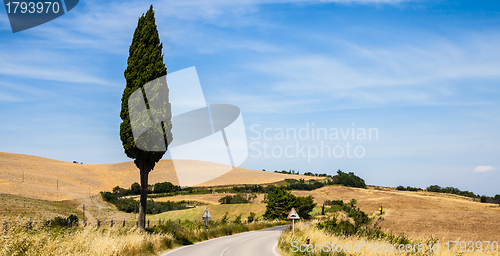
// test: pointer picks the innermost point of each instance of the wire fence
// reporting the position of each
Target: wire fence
(30, 224)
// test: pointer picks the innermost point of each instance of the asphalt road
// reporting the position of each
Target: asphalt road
(254, 243)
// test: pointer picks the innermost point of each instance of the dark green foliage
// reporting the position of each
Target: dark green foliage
(317, 174)
(159, 207)
(408, 188)
(304, 206)
(165, 187)
(237, 220)
(236, 199)
(224, 218)
(251, 217)
(144, 64)
(497, 199)
(63, 222)
(280, 202)
(130, 205)
(349, 180)
(301, 184)
(287, 172)
(450, 190)
(483, 199)
(135, 188)
(127, 205)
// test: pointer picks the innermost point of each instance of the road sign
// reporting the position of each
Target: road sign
(206, 215)
(293, 215)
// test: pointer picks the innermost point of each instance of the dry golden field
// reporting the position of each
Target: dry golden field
(417, 214)
(422, 214)
(49, 179)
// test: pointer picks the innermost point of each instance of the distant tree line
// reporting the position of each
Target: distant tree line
(239, 198)
(451, 190)
(157, 188)
(408, 188)
(342, 178)
(455, 191)
(286, 172)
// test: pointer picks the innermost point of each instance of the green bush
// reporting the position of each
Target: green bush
(237, 220)
(236, 199)
(349, 180)
(63, 222)
(280, 201)
(251, 217)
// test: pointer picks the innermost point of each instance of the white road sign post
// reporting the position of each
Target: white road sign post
(206, 217)
(293, 215)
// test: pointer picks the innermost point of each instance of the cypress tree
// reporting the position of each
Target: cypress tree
(144, 64)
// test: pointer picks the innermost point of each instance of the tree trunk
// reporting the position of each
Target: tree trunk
(144, 196)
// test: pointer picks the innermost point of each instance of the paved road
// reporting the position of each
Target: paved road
(253, 243)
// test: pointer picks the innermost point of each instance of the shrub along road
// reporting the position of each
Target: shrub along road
(260, 242)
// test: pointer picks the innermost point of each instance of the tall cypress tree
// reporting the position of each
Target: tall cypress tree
(144, 64)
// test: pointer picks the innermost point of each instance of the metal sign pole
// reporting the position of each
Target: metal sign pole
(293, 227)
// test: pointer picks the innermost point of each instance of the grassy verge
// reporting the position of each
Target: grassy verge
(323, 243)
(103, 241)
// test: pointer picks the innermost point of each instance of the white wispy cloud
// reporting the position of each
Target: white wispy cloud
(484, 169)
(421, 73)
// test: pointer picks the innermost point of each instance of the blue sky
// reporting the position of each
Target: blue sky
(424, 74)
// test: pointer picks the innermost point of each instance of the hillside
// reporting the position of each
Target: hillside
(49, 179)
(421, 214)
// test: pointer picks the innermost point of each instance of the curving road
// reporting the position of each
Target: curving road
(253, 243)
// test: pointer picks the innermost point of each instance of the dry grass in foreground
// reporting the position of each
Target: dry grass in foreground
(89, 241)
(289, 245)
(104, 241)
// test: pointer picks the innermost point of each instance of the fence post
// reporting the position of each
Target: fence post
(111, 222)
(69, 223)
(98, 222)
(50, 223)
(5, 226)
(123, 222)
(84, 222)
(29, 224)
(159, 222)
(148, 223)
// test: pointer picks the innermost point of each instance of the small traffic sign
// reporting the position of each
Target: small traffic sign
(206, 215)
(293, 215)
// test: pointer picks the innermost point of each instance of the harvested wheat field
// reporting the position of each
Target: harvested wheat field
(422, 214)
(49, 179)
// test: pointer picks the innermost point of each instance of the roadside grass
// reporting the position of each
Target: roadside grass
(12, 206)
(41, 240)
(289, 244)
(17, 239)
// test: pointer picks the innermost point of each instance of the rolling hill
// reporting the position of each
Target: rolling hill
(49, 179)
